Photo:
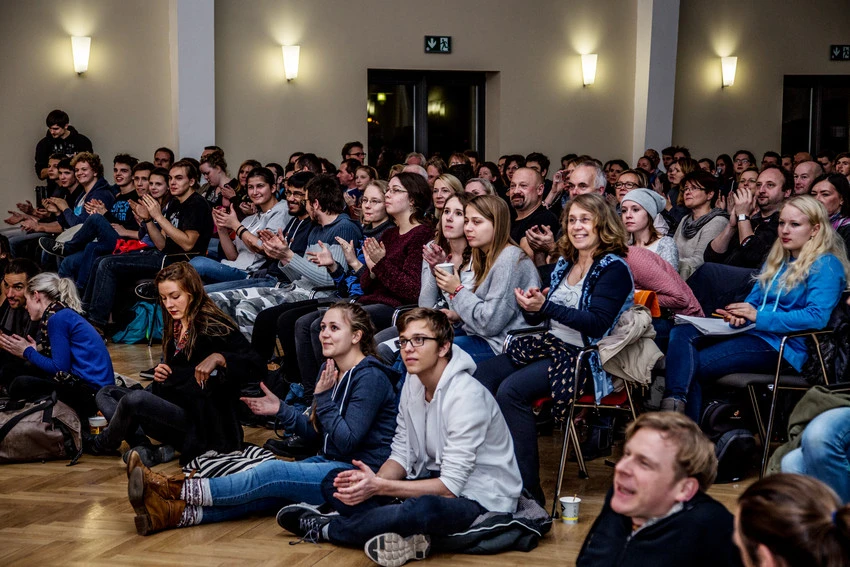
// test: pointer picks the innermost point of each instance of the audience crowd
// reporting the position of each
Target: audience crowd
(389, 295)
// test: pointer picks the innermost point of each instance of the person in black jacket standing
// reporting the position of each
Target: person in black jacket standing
(60, 139)
(657, 512)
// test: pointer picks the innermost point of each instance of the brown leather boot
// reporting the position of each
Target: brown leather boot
(168, 487)
(153, 512)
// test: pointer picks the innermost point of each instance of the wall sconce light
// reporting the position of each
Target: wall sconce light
(728, 65)
(81, 47)
(291, 54)
(588, 68)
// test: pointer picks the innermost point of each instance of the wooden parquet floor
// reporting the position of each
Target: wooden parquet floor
(51, 514)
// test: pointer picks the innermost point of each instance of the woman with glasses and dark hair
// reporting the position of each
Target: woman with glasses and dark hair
(703, 223)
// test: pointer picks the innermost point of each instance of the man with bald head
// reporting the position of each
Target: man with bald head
(800, 157)
(526, 196)
(417, 169)
(805, 174)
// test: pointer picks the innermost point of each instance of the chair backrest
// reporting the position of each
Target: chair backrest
(648, 299)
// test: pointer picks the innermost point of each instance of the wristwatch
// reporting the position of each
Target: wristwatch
(742, 217)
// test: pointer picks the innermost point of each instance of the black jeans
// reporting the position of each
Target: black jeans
(279, 322)
(139, 413)
(515, 389)
(78, 395)
(108, 271)
(429, 515)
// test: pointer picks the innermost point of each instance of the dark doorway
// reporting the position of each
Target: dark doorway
(816, 114)
(432, 112)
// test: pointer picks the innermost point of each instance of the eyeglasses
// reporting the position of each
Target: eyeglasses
(627, 184)
(372, 202)
(742, 161)
(415, 341)
(692, 188)
(296, 194)
(358, 154)
(395, 190)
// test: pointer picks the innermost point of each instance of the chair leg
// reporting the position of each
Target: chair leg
(772, 414)
(582, 467)
(756, 410)
(568, 433)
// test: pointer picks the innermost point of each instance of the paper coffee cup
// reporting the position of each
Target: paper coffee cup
(569, 509)
(96, 424)
(447, 267)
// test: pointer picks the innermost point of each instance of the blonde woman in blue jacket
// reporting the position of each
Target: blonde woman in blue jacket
(799, 286)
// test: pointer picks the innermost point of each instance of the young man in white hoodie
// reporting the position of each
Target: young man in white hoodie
(452, 458)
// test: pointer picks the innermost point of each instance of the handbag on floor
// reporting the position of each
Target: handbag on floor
(39, 431)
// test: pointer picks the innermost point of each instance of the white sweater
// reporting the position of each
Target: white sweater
(475, 449)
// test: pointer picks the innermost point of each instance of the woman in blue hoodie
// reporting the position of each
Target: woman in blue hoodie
(799, 286)
(353, 416)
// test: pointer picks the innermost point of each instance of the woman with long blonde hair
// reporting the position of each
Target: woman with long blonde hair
(799, 286)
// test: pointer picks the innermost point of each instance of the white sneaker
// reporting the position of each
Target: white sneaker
(392, 550)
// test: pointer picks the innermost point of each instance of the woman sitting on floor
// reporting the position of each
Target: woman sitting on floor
(353, 415)
(799, 285)
(193, 400)
(70, 355)
(591, 287)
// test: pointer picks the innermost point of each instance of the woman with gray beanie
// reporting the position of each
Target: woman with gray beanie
(639, 209)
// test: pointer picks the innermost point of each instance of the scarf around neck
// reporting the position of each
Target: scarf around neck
(691, 227)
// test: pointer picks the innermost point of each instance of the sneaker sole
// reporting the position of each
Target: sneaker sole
(393, 550)
(136, 494)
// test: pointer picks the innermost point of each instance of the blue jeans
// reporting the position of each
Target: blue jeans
(86, 251)
(475, 346)
(268, 487)
(694, 359)
(824, 451)
(429, 515)
(213, 271)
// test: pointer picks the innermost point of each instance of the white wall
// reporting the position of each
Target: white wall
(771, 40)
(123, 102)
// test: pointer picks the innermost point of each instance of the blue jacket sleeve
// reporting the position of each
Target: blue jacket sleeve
(823, 290)
(294, 421)
(607, 298)
(60, 347)
(367, 396)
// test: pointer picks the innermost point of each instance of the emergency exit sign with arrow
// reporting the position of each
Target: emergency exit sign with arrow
(839, 52)
(438, 44)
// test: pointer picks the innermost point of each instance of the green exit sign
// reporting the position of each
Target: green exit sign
(839, 52)
(438, 44)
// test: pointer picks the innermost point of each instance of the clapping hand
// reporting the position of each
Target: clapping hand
(323, 257)
(152, 208)
(327, 378)
(433, 254)
(25, 208)
(248, 208)
(540, 238)
(95, 206)
(356, 485)
(16, 345)
(531, 300)
(225, 218)
(373, 251)
(275, 245)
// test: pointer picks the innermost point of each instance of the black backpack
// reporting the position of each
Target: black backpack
(726, 425)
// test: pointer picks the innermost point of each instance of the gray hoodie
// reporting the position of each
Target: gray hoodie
(475, 450)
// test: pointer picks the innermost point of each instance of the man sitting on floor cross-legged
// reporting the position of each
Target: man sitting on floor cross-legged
(452, 458)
